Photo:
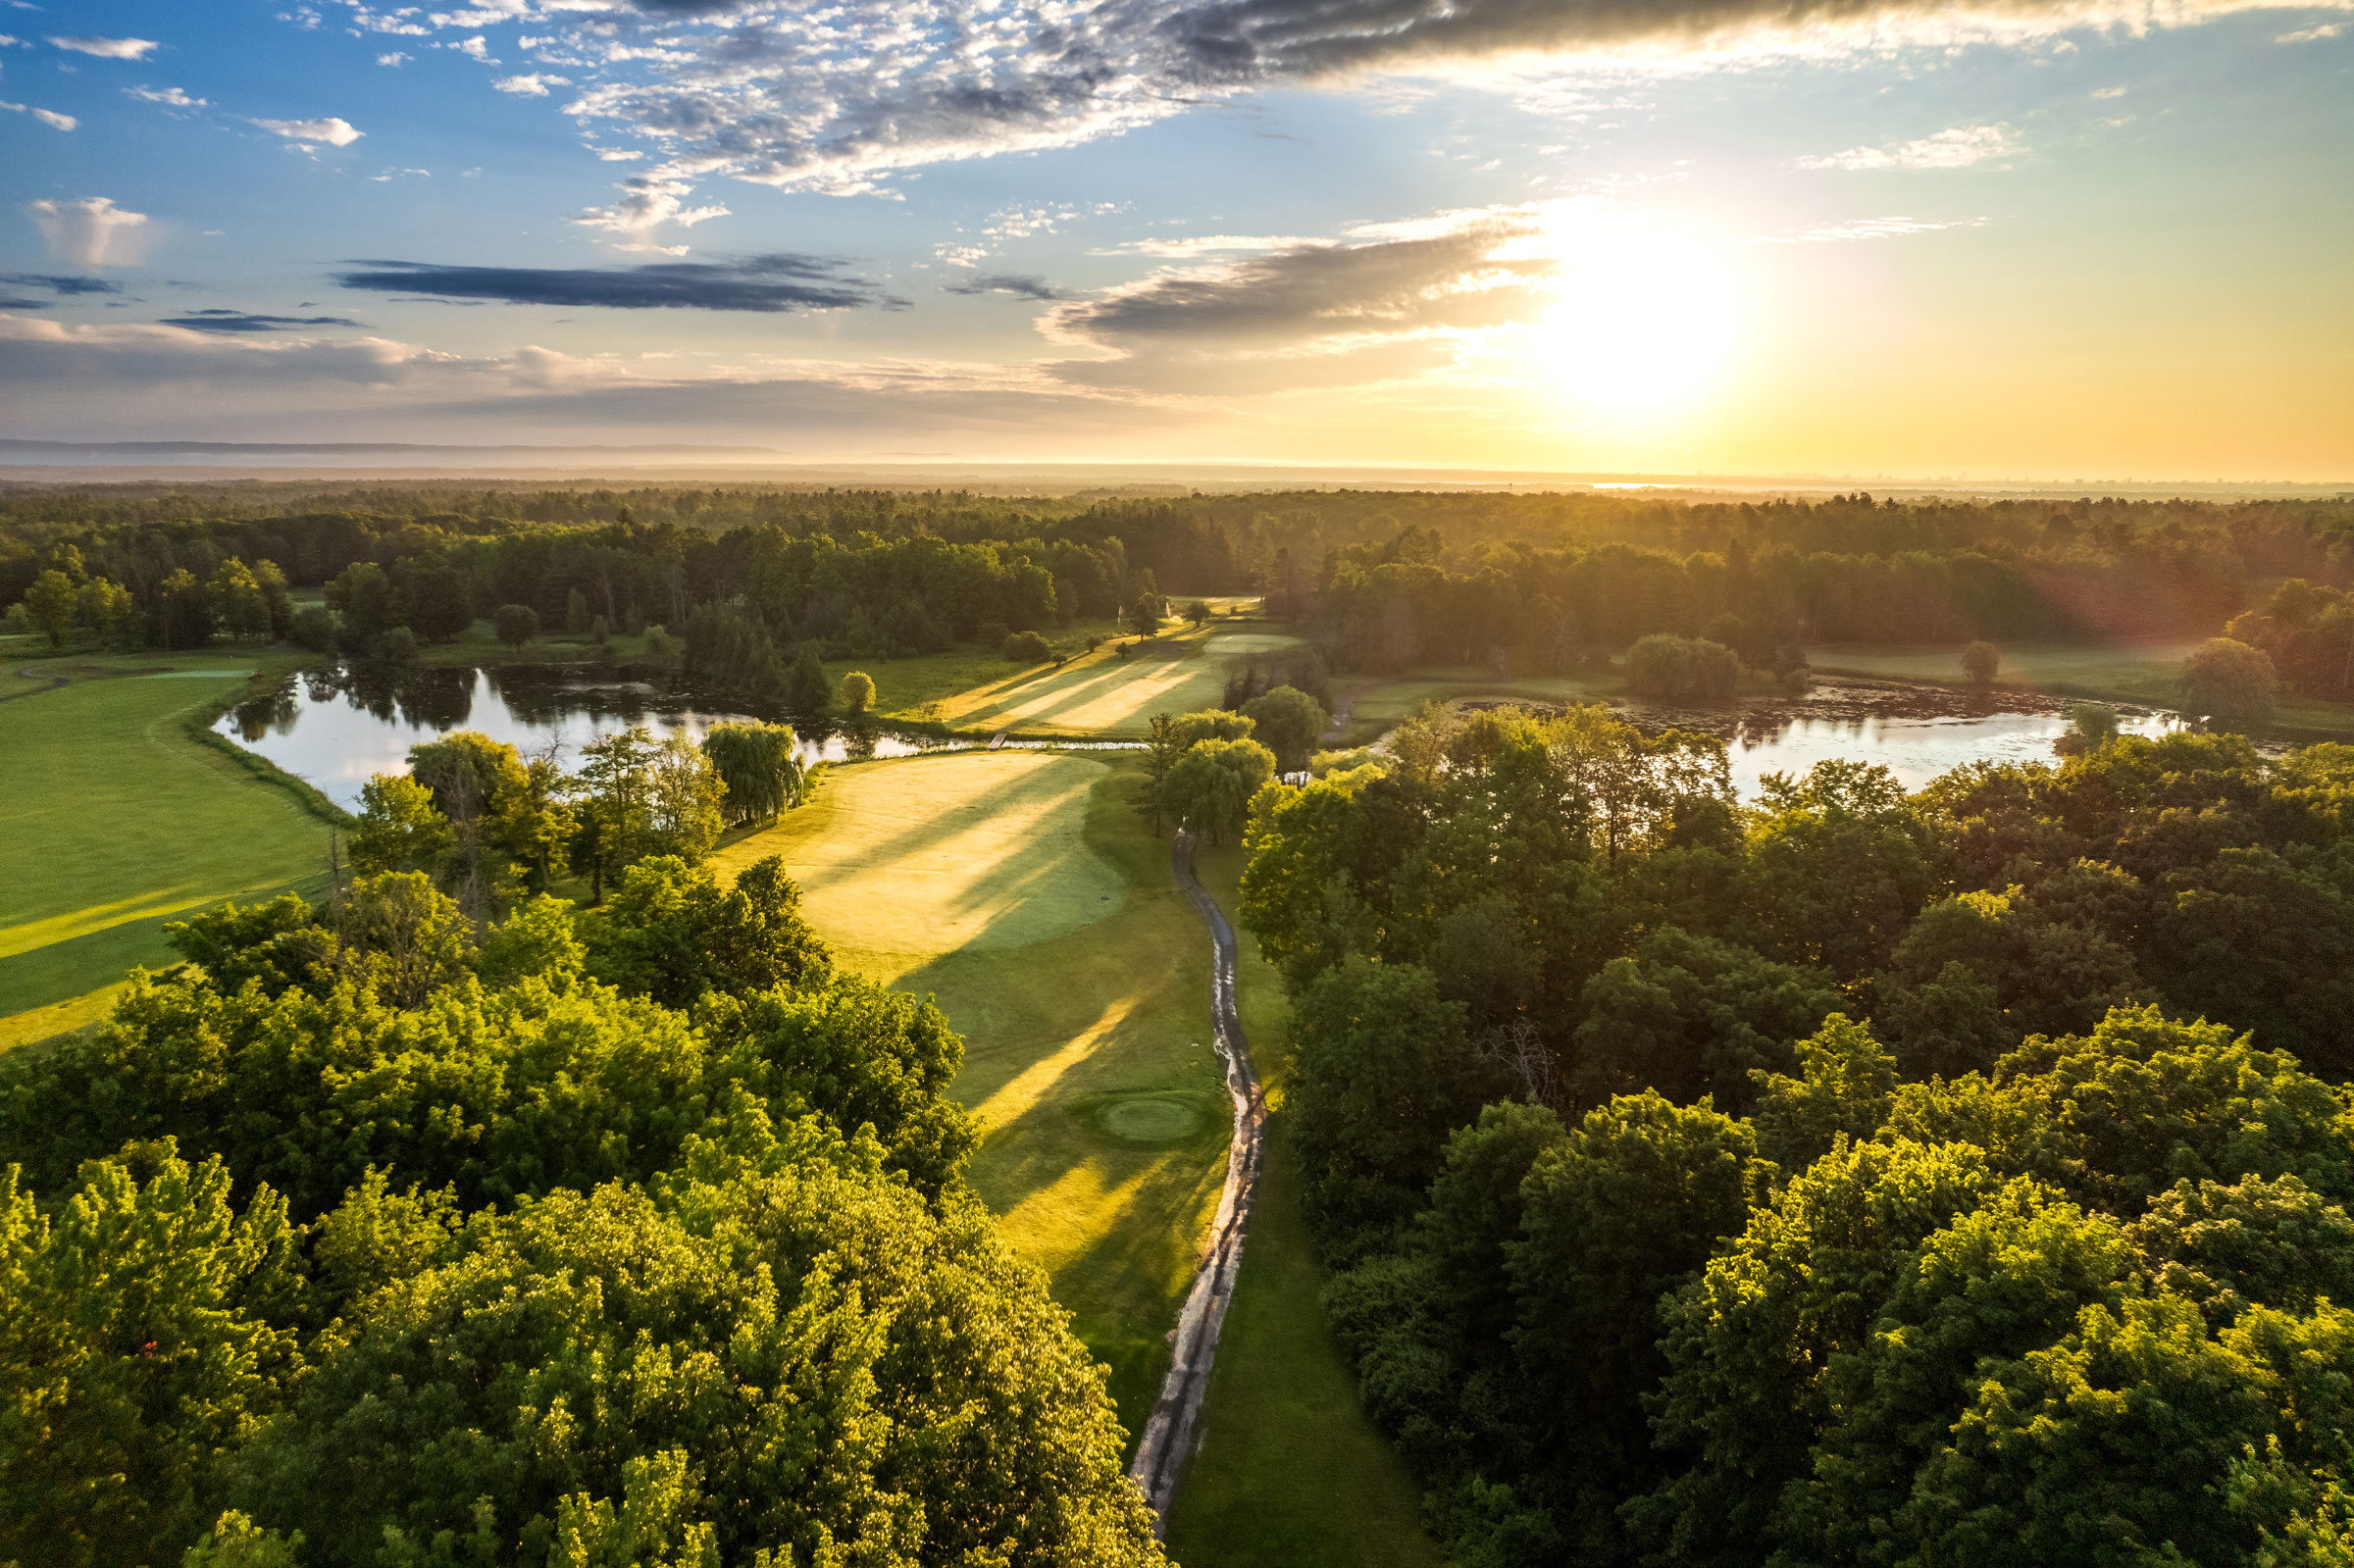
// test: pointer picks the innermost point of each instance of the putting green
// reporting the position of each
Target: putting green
(1150, 1119)
(1242, 644)
(932, 855)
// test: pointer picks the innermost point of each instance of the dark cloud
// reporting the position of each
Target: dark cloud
(768, 284)
(238, 321)
(61, 282)
(1021, 283)
(1312, 292)
(11, 302)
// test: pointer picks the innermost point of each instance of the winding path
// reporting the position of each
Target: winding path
(1175, 1425)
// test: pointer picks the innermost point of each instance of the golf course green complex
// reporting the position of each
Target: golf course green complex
(1025, 894)
(1020, 890)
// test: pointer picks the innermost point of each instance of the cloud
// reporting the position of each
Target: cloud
(841, 99)
(534, 85)
(1957, 148)
(107, 48)
(2327, 29)
(47, 117)
(395, 58)
(1462, 276)
(238, 321)
(1202, 245)
(1018, 284)
(656, 197)
(92, 231)
(61, 283)
(764, 283)
(170, 97)
(139, 380)
(334, 131)
(1869, 229)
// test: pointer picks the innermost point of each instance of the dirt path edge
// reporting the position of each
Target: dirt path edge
(1174, 1428)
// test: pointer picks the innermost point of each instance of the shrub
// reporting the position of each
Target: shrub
(1981, 661)
(396, 646)
(991, 634)
(1027, 647)
(857, 693)
(1680, 669)
(517, 624)
(2229, 681)
(313, 629)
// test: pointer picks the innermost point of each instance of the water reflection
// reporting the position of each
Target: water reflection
(338, 728)
(1916, 732)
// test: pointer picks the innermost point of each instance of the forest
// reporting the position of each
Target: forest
(1859, 1176)
(1376, 581)
(386, 1235)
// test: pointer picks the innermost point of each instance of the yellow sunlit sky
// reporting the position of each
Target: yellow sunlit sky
(2031, 240)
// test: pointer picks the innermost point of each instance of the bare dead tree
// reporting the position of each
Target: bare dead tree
(1518, 1051)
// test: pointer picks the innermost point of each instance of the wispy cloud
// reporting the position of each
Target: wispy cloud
(47, 117)
(766, 283)
(107, 48)
(2315, 35)
(92, 231)
(1018, 284)
(169, 97)
(238, 321)
(534, 85)
(1869, 229)
(61, 283)
(1957, 148)
(843, 99)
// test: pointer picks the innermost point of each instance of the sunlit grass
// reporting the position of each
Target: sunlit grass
(113, 822)
(1024, 894)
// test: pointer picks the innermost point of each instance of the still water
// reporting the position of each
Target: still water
(340, 727)
(1914, 732)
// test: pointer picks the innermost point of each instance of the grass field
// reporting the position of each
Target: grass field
(113, 822)
(1290, 1474)
(1023, 893)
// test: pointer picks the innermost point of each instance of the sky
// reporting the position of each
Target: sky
(2048, 240)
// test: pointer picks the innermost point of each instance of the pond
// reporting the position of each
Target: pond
(1916, 732)
(337, 729)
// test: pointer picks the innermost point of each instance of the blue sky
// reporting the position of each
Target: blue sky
(2033, 238)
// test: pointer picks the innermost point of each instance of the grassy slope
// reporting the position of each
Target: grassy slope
(1289, 1472)
(113, 822)
(1022, 891)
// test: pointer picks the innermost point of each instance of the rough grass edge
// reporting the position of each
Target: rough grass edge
(197, 726)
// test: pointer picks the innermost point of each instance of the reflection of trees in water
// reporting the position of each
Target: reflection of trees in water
(275, 709)
(420, 694)
(858, 741)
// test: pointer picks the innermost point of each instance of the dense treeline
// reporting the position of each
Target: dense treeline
(1851, 1178)
(387, 1237)
(1379, 579)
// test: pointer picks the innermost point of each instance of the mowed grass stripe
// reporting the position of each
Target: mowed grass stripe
(1024, 894)
(112, 820)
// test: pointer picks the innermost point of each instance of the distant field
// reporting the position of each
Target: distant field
(1024, 894)
(1291, 1472)
(113, 822)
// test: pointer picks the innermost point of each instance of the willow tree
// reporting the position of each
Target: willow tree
(756, 762)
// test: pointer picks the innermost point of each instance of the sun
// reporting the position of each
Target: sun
(1643, 328)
